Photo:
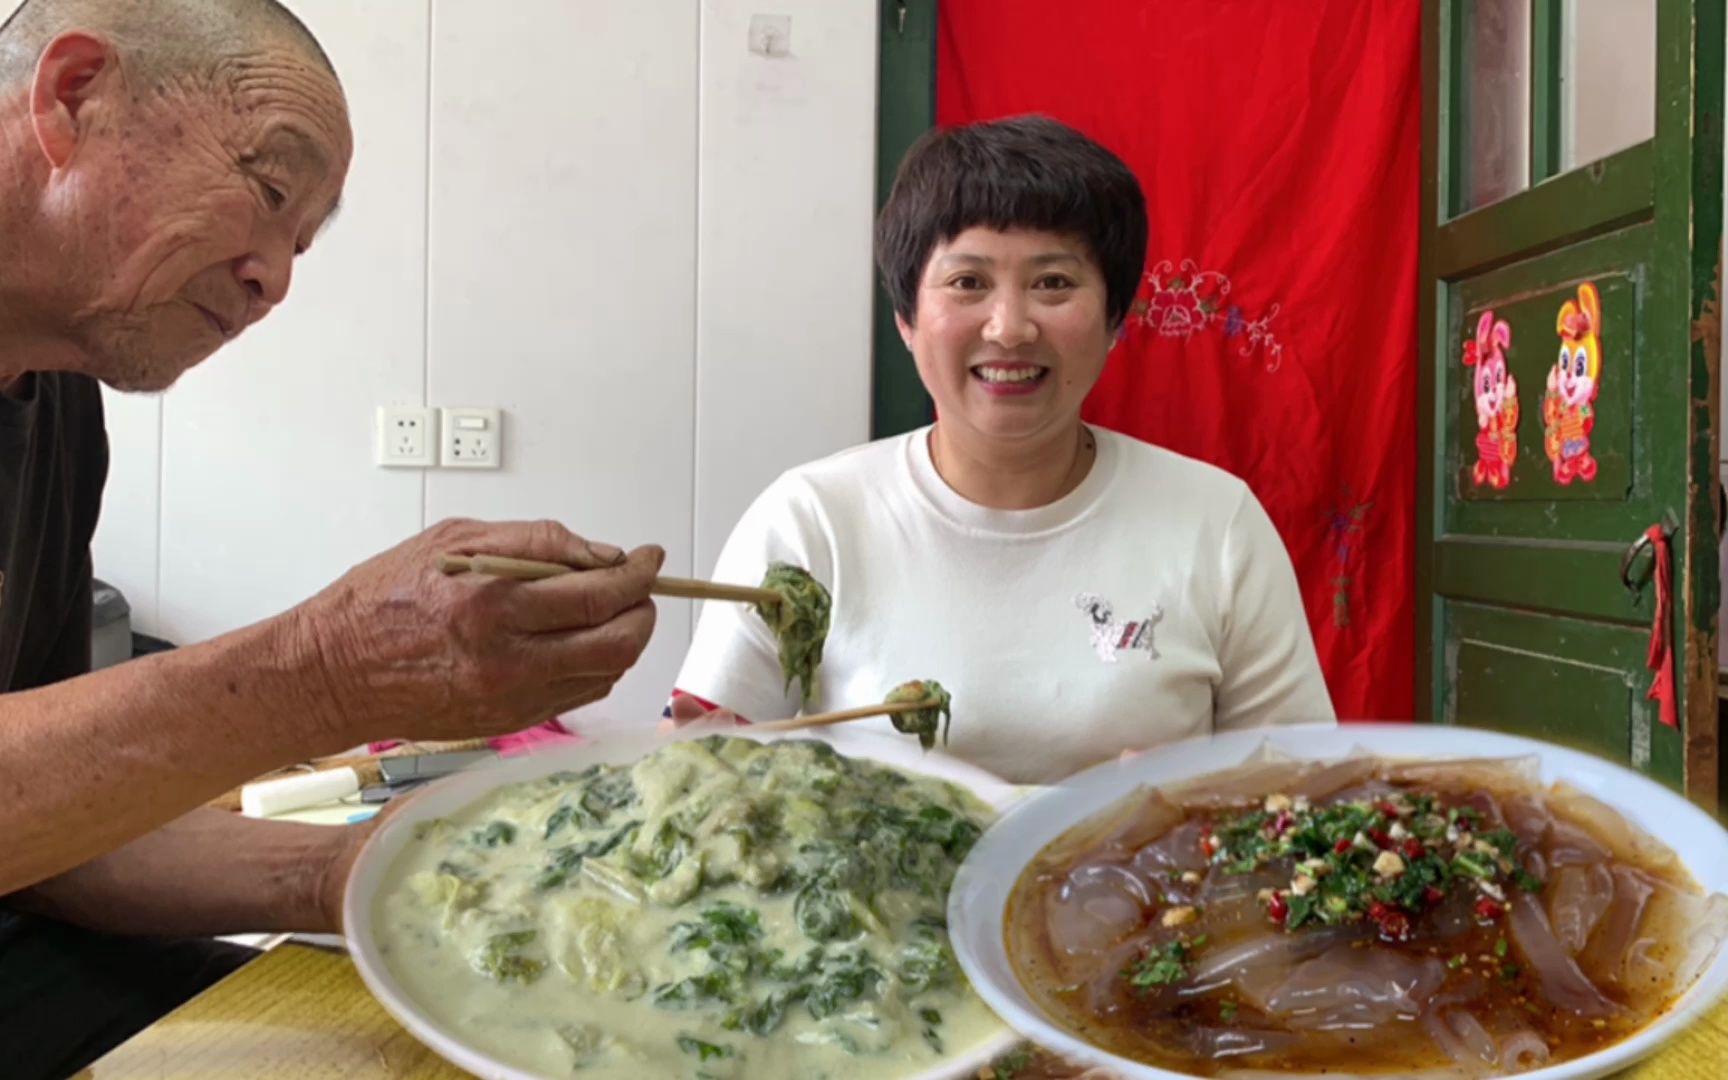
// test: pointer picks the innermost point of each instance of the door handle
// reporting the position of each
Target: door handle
(1638, 547)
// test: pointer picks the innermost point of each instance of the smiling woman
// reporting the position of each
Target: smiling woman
(1079, 591)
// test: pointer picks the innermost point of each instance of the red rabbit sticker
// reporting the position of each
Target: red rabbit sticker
(1496, 393)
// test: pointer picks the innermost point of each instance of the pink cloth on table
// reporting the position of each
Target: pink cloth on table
(539, 737)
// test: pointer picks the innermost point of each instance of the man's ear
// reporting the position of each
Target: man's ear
(75, 68)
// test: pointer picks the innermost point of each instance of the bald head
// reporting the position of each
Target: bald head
(160, 39)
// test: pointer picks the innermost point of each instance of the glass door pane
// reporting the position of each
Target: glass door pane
(1607, 78)
(1495, 78)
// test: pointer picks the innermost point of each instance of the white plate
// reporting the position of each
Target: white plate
(975, 904)
(451, 794)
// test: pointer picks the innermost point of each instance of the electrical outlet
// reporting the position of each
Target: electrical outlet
(406, 439)
(472, 438)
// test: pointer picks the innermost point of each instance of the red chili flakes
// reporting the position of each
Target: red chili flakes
(1394, 925)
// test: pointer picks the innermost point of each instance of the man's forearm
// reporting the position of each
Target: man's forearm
(207, 873)
(92, 763)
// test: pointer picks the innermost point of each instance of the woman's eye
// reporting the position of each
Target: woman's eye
(274, 195)
(1054, 281)
(966, 281)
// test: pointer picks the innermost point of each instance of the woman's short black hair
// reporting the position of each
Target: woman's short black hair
(1025, 172)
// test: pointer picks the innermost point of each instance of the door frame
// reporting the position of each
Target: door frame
(906, 109)
(1655, 179)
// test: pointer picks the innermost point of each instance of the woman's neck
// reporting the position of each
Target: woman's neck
(1020, 477)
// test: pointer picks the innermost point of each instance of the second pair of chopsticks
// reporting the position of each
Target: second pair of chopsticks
(533, 570)
(842, 716)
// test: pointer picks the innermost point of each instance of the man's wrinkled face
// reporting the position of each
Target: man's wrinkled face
(185, 205)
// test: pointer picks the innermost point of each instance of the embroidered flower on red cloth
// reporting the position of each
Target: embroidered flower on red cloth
(1209, 291)
(1181, 300)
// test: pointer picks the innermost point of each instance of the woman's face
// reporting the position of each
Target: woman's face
(1010, 334)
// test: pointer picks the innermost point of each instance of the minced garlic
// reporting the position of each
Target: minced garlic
(1179, 916)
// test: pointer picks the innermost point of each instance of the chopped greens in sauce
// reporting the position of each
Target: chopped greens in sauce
(721, 908)
(1387, 860)
(922, 722)
(1166, 965)
(501, 959)
(799, 622)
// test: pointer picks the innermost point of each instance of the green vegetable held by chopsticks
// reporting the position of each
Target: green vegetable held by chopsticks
(922, 722)
(799, 621)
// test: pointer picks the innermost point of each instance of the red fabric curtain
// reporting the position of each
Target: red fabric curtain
(1275, 334)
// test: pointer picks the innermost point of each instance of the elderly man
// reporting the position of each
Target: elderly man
(162, 162)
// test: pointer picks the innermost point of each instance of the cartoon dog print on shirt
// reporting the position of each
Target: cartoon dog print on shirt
(1110, 637)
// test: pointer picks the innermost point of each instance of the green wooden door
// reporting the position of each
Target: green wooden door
(1572, 211)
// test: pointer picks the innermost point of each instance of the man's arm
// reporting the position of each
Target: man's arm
(270, 875)
(394, 647)
(90, 763)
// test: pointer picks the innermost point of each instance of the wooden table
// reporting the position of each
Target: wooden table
(302, 1013)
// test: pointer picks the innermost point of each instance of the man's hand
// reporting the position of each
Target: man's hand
(400, 648)
(393, 648)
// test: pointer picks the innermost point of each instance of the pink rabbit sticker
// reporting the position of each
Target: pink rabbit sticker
(1496, 394)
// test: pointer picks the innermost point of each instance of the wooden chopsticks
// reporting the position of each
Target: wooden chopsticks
(532, 570)
(843, 715)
